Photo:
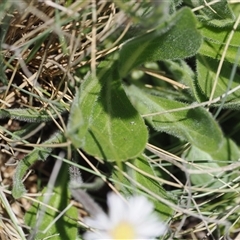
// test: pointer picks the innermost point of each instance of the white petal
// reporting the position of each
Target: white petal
(101, 221)
(95, 235)
(90, 235)
(151, 227)
(141, 203)
(140, 209)
(139, 212)
(117, 208)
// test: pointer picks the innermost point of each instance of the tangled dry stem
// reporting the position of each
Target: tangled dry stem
(44, 44)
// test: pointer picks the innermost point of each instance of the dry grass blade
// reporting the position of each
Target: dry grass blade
(45, 42)
(48, 48)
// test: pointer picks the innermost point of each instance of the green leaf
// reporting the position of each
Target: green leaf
(178, 38)
(39, 153)
(207, 68)
(203, 161)
(66, 226)
(103, 121)
(182, 73)
(30, 114)
(196, 125)
(153, 185)
(215, 24)
(228, 152)
(215, 51)
(215, 40)
(206, 162)
(219, 35)
(217, 13)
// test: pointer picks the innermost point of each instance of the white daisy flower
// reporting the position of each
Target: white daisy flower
(132, 220)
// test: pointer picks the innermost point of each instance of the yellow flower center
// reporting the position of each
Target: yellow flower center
(123, 230)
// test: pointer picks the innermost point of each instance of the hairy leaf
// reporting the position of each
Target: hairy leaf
(196, 125)
(210, 165)
(39, 153)
(182, 73)
(29, 114)
(103, 121)
(178, 38)
(215, 40)
(66, 226)
(214, 13)
(207, 68)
